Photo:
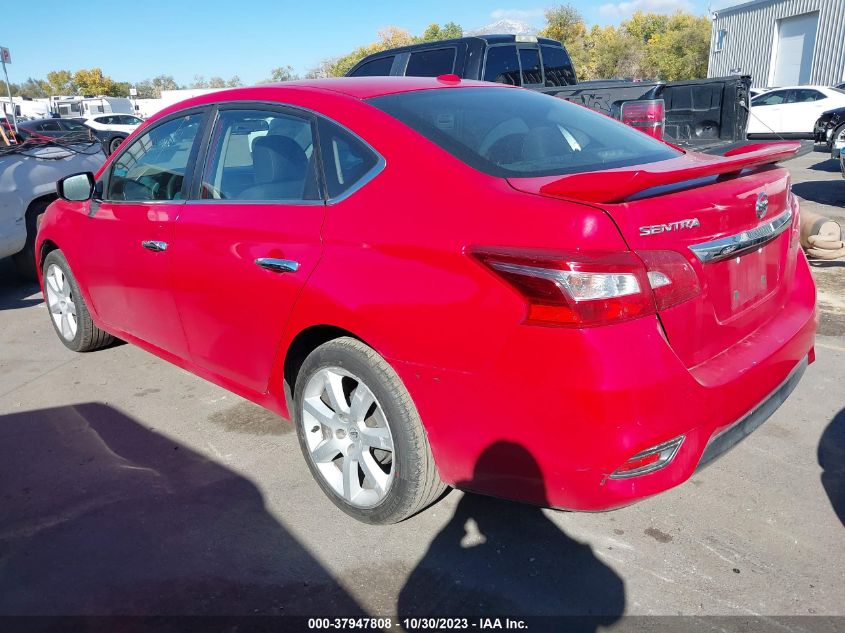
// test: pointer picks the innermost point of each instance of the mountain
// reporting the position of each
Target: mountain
(513, 27)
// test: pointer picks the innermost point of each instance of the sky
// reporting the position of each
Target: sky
(248, 38)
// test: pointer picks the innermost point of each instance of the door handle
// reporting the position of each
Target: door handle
(277, 265)
(154, 245)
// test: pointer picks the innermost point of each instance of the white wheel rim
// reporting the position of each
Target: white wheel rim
(348, 437)
(60, 302)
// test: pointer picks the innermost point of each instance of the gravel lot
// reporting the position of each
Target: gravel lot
(128, 486)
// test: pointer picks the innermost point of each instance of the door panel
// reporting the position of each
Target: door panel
(129, 284)
(258, 198)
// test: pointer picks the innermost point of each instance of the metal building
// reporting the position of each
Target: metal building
(780, 42)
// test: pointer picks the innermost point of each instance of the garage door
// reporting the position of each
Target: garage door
(794, 50)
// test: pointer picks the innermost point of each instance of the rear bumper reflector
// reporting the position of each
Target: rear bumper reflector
(649, 460)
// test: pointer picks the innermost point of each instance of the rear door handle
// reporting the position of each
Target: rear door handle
(154, 245)
(277, 265)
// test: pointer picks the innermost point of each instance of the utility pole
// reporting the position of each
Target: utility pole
(6, 57)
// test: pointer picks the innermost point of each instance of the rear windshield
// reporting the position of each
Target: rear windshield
(521, 133)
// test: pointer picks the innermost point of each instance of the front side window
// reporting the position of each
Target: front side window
(521, 133)
(153, 167)
(376, 68)
(529, 59)
(346, 160)
(74, 125)
(770, 98)
(431, 63)
(502, 65)
(260, 155)
(557, 66)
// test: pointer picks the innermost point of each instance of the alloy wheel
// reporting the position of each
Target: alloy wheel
(60, 302)
(348, 437)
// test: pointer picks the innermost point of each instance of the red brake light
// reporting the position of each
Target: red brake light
(574, 289)
(592, 288)
(647, 116)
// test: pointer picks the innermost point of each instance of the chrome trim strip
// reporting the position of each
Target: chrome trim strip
(735, 245)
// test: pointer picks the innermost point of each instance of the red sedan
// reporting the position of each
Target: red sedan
(446, 282)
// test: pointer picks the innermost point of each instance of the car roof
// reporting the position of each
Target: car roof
(367, 87)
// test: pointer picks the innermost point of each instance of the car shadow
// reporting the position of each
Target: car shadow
(830, 165)
(496, 557)
(15, 291)
(831, 456)
(102, 516)
(831, 192)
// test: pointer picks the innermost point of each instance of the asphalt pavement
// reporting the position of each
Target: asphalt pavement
(128, 486)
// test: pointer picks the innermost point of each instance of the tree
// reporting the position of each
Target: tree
(217, 82)
(34, 88)
(644, 26)
(614, 53)
(199, 82)
(282, 73)
(91, 81)
(234, 82)
(60, 82)
(682, 51)
(565, 24)
(120, 89)
(390, 37)
(434, 32)
(323, 70)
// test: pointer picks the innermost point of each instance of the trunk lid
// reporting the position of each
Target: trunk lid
(710, 210)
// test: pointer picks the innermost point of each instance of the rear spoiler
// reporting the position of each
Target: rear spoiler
(617, 185)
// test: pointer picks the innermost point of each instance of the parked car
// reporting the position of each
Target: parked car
(28, 176)
(791, 112)
(417, 270)
(112, 129)
(830, 130)
(50, 129)
(675, 111)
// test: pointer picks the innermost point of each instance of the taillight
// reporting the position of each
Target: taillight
(671, 278)
(647, 116)
(592, 288)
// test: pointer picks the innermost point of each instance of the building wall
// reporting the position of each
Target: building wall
(751, 36)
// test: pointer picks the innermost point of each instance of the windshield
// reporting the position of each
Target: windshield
(521, 133)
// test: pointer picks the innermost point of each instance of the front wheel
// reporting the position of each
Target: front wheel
(68, 311)
(361, 434)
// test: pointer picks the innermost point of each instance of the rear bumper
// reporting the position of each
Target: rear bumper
(555, 412)
(725, 440)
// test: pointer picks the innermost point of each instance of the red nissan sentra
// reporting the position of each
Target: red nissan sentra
(421, 271)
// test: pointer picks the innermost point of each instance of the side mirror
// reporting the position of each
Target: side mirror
(76, 188)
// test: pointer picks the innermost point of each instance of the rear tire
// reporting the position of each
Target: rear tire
(67, 309)
(337, 441)
(114, 143)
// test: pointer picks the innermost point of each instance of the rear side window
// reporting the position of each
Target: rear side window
(260, 155)
(529, 59)
(431, 63)
(521, 133)
(806, 95)
(375, 68)
(557, 66)
(502, 65)
(153, 166)
(347, 161)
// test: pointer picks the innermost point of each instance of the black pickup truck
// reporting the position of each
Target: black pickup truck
(707, 115)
